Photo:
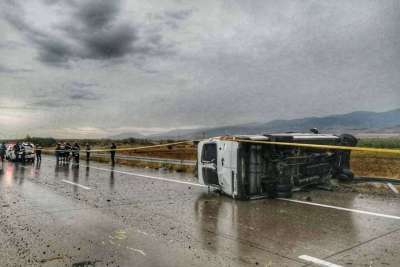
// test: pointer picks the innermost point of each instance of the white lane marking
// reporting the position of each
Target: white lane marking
(149, 177)
(318, 261)
(137, 250)
(82, 186)
(341, 208)
(393, 188)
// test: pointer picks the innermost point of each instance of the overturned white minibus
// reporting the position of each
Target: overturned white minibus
(246, 170)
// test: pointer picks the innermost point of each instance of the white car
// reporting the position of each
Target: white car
(25, 152)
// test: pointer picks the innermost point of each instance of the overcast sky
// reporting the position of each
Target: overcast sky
(93, 68)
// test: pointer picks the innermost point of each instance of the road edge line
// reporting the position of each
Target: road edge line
(318, 261)
(341, 208)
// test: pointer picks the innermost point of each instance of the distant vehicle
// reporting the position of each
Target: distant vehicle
(246, 170)
(25, 152)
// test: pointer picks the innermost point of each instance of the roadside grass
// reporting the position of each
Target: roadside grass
(390, 142)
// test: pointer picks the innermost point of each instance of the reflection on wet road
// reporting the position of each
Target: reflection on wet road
(121, 216)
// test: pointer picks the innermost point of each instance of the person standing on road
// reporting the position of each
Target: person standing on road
(38, 152)
(75, 152)
(88, 151)
(58, 152)
(112, 152)
(68, 151)
(2, 151)
(16, 151)
(23, 154)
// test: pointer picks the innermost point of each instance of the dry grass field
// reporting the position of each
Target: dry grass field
(376, 165)
(181, 151)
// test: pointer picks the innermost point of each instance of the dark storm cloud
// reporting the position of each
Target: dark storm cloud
(113, 42)
(97, 14)
(53, 51)
(93, 31)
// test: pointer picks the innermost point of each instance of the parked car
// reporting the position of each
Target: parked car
(24, 152)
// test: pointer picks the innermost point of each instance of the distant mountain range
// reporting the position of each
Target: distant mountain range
(358, 122)
(128, 135)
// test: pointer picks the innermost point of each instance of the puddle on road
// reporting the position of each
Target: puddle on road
(283, 226)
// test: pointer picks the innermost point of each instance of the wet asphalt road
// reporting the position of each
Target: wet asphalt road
(123, 217)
